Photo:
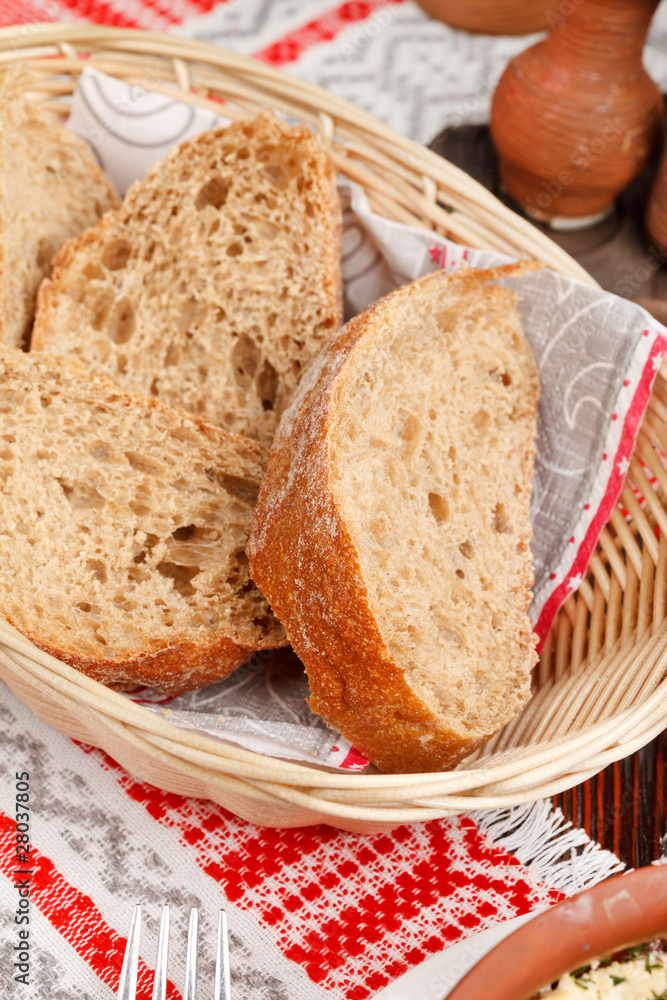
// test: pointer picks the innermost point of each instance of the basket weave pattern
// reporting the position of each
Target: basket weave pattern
(599, 690)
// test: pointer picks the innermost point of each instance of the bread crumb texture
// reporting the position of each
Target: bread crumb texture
(392, 531)
(51, 189)
(122, 547)
(216, 283)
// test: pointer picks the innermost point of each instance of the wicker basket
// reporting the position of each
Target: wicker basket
(600, 691)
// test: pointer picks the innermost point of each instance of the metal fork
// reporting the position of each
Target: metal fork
(127, 990)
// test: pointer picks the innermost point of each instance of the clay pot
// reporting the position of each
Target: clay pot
(503, 17)
(575, 117)
(623, 911)
(656, 210)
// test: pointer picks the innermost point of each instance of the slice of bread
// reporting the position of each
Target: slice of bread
(392, 533)
(122, 547)
(51, 189)
(217, 282)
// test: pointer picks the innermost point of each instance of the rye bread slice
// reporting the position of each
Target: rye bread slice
(216, 283)
(392, 530)
(51, 189)
(122, 548)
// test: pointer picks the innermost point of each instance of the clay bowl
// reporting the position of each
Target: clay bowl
(623, 911)
(493, 17)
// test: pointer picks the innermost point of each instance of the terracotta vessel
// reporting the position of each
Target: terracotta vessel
(575, 117)
(503, 17)
(623, 911)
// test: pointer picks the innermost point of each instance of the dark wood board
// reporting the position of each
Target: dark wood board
(623, 807)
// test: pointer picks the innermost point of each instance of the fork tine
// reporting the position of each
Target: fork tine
(160, 980)
(127, 988)
(191, 958)
(222, 985)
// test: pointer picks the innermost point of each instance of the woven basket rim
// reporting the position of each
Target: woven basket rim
(509, 776)
(132, 714)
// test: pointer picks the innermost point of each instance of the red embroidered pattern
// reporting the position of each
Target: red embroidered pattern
(354, 910)
(74, 915)
(100, 12)
(321, 29)
(26, 13)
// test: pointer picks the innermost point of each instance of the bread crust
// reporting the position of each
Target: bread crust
(186, 666)
(182, 665)
(303, 559)
(50, 287)
(15, 112)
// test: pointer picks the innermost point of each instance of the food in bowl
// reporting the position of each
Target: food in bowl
(638, 973)
(594, 933)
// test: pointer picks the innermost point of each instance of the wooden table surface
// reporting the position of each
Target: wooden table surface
(623, 807)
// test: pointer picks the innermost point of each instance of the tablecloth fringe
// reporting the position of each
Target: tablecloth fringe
(549, 845)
